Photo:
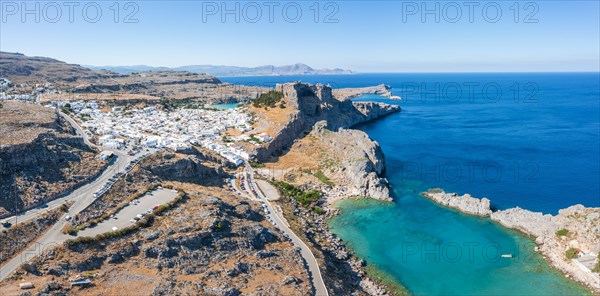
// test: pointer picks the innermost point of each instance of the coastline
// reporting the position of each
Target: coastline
(373, 164)
(543, 229)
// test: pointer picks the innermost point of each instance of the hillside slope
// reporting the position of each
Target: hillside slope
(40, 156)
(20, 68)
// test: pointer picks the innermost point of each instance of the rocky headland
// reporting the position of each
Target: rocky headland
(575, 230)
(350, 93)
(314, 148)
(464, 203)
(313, 133)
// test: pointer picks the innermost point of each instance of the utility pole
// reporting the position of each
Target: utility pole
(15, 198)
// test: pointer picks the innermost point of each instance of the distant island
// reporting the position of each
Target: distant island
(267, 70)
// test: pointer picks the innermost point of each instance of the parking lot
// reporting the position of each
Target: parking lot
(122, 218)
(119, 174)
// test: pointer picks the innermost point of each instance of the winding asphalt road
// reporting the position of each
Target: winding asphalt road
(277, 218)
(87, 190)
(82, 198)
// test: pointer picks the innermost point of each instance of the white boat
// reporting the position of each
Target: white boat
(507, 255)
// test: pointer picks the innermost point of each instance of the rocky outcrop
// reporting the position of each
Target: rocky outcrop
(355, 161)
(313, 103)
(373, 110)
(186, 168)
(464, 203)
(349, 93)
(580, 227)
(577, 220)
(582, 233)
(352, 159)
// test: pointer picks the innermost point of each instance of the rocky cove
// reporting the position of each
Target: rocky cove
(576, 227)
(370, 227)
(355, 165)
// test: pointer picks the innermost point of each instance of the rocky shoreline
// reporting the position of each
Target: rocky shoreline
(343, 272)
(576, 228)
(350, 93)
(316, 139)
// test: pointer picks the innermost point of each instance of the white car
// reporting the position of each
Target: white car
(67, 217)
(115, 228)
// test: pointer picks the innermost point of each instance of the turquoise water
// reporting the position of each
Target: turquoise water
(539, 152)
(435, 251)
(224, 106)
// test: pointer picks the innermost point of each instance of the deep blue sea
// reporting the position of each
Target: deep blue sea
(521, 139)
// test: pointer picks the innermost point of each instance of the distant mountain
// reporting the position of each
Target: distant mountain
(128, 69)
(296, 69)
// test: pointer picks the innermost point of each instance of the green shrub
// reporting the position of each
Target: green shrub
(597, 266)
(219, 225)
(571, 253)
(562, 232)
(305, 198)
(255, 164)
(318, 210)
(268, 99)
(319, 175)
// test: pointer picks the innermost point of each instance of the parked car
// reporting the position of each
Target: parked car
(67, 217)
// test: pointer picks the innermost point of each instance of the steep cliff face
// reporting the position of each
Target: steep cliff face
(189, 168)
(316, 136)
(358, 162)
(313, 103)
(40, 157)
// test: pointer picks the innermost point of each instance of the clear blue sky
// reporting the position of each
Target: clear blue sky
(369, 36)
